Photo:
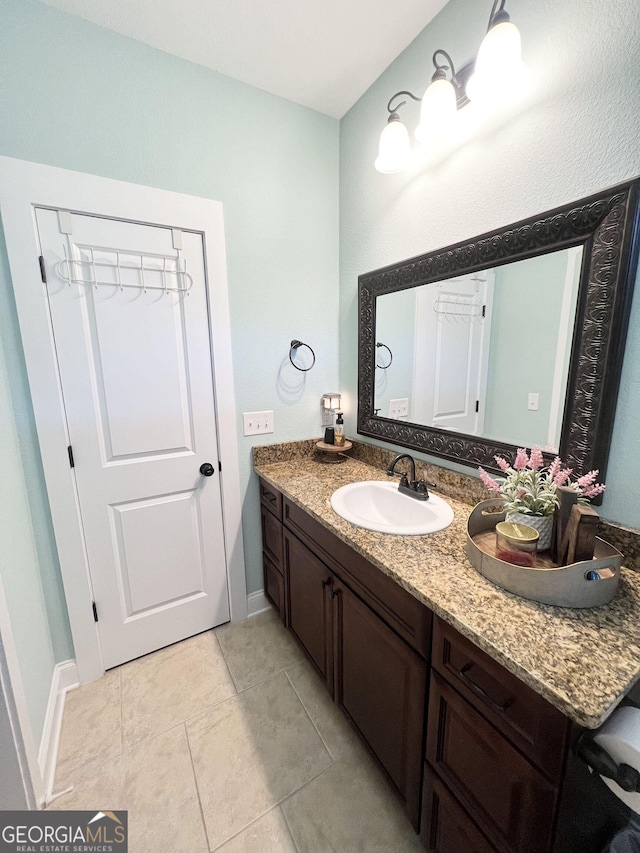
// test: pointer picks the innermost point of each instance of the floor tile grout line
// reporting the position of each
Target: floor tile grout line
(195, 782)
(121, 713)
(128, 747)
(311, 720)
(288, 825)
(271, 675)
(102, 758)
(277, 805)
(226, 662)
(250, 824)
(308, 782)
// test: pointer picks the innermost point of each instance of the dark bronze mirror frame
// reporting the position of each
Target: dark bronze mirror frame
(606, 225)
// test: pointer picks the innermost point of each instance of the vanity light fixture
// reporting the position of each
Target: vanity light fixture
(497, 74)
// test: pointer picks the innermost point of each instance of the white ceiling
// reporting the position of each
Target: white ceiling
(323, 54)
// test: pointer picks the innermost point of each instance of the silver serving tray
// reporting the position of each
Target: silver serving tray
(564, 586)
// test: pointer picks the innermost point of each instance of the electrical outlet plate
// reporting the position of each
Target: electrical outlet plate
(258, 423)
(533, 402)
(327, 417)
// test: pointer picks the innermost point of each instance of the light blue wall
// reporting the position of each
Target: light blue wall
(395, 327)
(525, 323)
(77, 96)
(20, 572)
(578, 134)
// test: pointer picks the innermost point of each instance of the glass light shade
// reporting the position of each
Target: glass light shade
(331, 401)
(394, 153)
(438, 111)
(500, 73)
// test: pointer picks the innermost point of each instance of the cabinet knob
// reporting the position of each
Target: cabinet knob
(327, 582)
(334, 593)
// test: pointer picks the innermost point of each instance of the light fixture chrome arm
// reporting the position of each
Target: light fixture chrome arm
(394, 110)
(395, 152)
(441, 69)
(497, 10)
(458, 79)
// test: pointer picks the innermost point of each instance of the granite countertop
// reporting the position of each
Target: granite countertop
(582, 661)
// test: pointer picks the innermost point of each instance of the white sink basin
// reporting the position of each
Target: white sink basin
(379, 506)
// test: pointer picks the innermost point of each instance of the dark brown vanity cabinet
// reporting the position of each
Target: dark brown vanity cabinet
(495, 754)
(479, 765)
(347, 616)
(272, 545)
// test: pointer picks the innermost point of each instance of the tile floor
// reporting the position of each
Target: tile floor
(227, 741)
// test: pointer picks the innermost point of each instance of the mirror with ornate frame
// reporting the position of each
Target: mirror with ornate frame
(602, 233)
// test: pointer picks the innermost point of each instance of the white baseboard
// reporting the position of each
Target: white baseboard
(257, 602)
(64, 678)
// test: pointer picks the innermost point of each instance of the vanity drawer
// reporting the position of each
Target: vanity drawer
(274, 586)
(444, 826)
(502, 792)
(407, 616)
(271, 498)
(272, 538)
(529, 721)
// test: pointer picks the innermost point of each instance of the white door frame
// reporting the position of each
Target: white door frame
(23, 186)
(21, 752)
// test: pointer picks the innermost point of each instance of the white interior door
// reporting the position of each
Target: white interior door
(136, 376)
(453, 323)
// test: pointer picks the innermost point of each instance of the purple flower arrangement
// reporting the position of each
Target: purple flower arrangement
(530, 488)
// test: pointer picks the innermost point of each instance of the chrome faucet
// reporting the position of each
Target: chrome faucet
(414, 488)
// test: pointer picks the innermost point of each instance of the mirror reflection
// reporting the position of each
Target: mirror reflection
(485, 354)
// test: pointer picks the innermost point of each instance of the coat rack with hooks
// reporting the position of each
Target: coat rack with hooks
(145, 268)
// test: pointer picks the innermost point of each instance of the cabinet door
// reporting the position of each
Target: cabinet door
(381, 685)
(445, 828)
(308, 604)
(274, 586)
(504, 794)
(272, 537)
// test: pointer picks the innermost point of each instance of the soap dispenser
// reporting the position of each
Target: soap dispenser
(339, 430)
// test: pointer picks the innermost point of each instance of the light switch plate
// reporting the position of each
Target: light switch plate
(399, 409)
(258, 423)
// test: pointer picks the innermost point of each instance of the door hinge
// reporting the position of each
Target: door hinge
(484, 310)
(43, 271)
(219, 465)
(95, 611)
(72, 464)
(477, 405)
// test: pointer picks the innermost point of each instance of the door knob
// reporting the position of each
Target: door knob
(207, 469)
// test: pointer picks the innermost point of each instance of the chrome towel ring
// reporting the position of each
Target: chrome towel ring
(294, 346)
(385, 366)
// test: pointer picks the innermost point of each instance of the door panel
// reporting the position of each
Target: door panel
(143, 403)
(136, 376)
(162, 531)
